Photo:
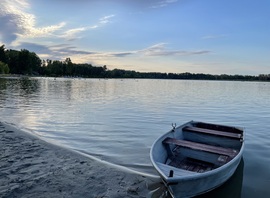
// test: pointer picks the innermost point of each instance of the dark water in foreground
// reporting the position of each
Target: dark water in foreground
(117, 120)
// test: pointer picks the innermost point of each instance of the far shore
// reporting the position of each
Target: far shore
(31, 167)
(196, 77)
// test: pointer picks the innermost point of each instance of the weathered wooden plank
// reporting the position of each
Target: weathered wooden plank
(213, 132)
(201, 147)
(191, 165)
(218, 127)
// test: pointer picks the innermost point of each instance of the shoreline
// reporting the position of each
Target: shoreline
(32, 167)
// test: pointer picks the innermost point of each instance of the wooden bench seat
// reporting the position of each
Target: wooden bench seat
(201, 147)
(213, 132)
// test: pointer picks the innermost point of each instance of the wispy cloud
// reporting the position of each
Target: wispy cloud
(215, 36)
(10, 17)
(53, 52)
(106, 19)
(62, 51)
(163, 3)
(72, 34)
(16, 21)
(41, 49)
(160, 50)
(154, 50)
(32, 31)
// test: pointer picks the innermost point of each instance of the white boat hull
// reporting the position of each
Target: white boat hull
(186, 183)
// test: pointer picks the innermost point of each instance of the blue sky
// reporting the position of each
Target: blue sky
(216, 37)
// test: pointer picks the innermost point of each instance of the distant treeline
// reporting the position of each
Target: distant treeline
(28, 63)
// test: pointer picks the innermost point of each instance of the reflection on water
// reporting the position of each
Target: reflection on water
(18, 92)
(230, 189)
(118, 120)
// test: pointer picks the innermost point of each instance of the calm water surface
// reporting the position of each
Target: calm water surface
(117, 120)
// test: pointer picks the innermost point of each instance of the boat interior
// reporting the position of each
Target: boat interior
(202, 146)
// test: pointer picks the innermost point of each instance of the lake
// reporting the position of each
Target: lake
(117, 120)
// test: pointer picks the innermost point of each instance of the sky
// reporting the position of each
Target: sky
(172, 36)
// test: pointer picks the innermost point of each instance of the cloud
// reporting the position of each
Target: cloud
(122, 54)
(72, 34)
(33, 47)
(31, 31)
(154, 50)
(72, 50)
(214, 36)
(106, 19)
(160, 50)
(102, 21)
(163, 3)
(140, 4)
(53, 52)
(10, 18)
(62, 51)
(16, 22)
(8, 31)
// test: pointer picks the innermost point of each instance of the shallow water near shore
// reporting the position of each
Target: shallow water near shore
(117, 120)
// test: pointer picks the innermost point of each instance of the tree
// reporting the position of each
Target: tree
(69, 67)
(13, 61)
(35, 63)
(3, 57)
(4, 69)
(25, 61)
(56, 68)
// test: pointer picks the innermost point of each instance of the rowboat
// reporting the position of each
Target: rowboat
(197, 157)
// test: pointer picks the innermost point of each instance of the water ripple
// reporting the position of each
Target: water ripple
(118, 120)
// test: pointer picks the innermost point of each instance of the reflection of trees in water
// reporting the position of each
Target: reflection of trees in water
(28, 87)
(58, 87)
(3, 87)
(23, 88)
